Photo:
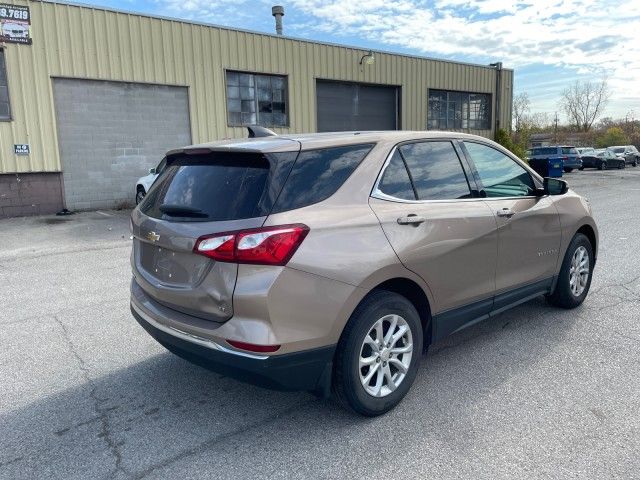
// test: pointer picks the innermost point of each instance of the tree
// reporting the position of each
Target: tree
(613, 136)
(521, 106)
(583, 102)
(503, 138)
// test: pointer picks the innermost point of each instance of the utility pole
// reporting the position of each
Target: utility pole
(555, 129)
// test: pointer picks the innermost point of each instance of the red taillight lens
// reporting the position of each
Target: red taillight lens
(262, 246)
(251, 347)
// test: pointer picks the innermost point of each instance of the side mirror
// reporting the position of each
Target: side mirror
(553, 186)
(152, 171)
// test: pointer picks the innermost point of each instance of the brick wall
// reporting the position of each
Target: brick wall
(30, 194)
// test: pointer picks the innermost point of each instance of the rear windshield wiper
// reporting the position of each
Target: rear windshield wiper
(182, 211)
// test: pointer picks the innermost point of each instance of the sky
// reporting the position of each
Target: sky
(549, 44)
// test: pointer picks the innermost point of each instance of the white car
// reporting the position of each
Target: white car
(144, 183)
(15, 30)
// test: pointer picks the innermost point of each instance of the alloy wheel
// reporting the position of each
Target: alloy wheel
(579, 271)
(385, 355)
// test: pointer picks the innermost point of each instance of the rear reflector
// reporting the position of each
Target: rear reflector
(261, 246)
(253, 347)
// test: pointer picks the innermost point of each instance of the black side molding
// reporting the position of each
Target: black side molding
(454, 320)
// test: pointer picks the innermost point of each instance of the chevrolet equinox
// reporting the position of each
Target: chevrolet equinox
(329, 262)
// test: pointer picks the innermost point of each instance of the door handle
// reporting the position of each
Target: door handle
(411, 219)
(506, 212)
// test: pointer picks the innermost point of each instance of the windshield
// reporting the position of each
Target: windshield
(618, 150)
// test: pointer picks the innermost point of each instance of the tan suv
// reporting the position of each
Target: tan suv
(329, 262)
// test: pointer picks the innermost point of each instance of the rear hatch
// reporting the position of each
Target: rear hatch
(201, 193)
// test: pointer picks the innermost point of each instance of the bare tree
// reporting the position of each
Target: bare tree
(521, 106)
(538, 120)
(583, 102)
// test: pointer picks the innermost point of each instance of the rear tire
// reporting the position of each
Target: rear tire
(575, 275)
(602, 166)
(635, 163)
(568, 170)
(359, 355)
(622, 165)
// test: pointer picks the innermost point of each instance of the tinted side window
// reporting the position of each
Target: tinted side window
(436, 171)
(500, 175)
(395, 181)
(569, 150)
(317, 174)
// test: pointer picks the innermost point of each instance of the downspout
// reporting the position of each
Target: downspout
(498, 67)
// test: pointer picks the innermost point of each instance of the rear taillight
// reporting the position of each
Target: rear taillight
(262, 246)
(565, 158)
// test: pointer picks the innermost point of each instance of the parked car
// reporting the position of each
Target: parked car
(15, 30)
(568, 154)
(144, 183)
(602, 159)
(628, 152)
(329, 262)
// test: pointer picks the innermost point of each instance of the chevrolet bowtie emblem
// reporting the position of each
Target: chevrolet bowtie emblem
(153, 236)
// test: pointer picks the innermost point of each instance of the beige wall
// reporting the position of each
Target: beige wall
(82, 42)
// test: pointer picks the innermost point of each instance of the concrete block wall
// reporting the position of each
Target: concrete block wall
(111, 133)
(30, 194)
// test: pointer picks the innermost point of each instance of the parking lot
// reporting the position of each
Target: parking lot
(536, 392)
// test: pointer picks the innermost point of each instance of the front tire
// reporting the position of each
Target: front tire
(568, 170)
(139, 195)
(602, 166)
(575, 275)
(378, 354)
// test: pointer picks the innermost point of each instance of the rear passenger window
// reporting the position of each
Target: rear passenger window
(317, 174)
(395, 181)
(436, 171)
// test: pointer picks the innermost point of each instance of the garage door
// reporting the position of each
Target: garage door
(356, 106)
(111, 133)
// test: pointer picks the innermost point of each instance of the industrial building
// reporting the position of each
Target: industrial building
(91, 98)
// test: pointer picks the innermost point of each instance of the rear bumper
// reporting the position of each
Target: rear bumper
(306, 370)
(572, 164)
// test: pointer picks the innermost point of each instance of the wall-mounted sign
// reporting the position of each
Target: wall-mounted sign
(21, 149)
(15, 21)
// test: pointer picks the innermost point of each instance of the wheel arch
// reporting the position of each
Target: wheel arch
(417, 296)
(588, 231)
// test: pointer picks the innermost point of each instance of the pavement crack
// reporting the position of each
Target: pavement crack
(212, 442)
(101, 411)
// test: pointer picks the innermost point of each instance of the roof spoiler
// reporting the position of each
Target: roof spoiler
(258, 131)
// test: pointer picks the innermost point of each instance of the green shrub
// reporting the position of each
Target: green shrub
(504, 139)
(613, 136)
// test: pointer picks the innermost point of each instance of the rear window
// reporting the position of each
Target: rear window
(545, 151)
(217, 187)
(618, 150)
(569, 151)
(224, 186)
(317, 174)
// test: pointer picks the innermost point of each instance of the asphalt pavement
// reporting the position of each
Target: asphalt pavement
(536, 392)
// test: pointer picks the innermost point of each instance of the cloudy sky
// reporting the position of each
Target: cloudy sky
(548, 43)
